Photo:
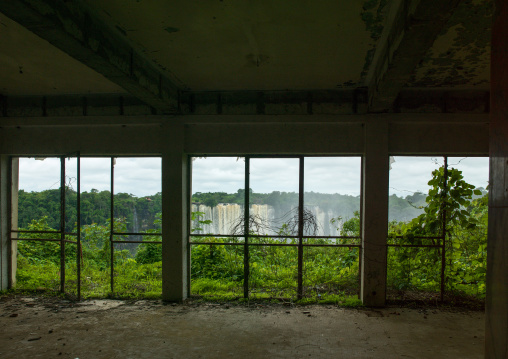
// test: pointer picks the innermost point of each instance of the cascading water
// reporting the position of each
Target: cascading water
(135, 220)
(222, 217)
(225, 215)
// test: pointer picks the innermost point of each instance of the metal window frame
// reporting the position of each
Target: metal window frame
(246, 244)
(442, 236)
(61, 233)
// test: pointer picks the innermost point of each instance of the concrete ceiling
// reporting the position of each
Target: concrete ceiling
(255, 45)
(155, 48)
(460, 56)
(30, 65)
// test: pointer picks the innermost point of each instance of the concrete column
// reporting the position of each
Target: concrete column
(8, 200)
(174, 214)
(4, 223)
(375, 214)
(496, 333)
(13, 196)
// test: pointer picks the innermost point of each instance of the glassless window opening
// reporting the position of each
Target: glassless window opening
(299, 232)
(53, 228)
(435, 244)
(117, 235)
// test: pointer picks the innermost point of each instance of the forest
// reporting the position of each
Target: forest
(330, 274)
(139, 213)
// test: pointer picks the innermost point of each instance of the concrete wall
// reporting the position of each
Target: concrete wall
(8, 220)
(496, 331)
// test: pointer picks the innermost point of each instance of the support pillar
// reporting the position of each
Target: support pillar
(8, 202)
(174, 214)
(496, 331)
(4, 223)
(375, 214)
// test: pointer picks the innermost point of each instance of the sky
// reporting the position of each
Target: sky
(142, 176)
(138, 176)
(411, 174)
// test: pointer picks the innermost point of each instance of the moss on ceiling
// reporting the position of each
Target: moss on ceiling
(460, 55)
(373, 16)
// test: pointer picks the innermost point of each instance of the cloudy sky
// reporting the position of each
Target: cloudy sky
(141, 176)
(411, 174)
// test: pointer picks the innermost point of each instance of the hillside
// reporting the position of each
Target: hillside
(139, 212)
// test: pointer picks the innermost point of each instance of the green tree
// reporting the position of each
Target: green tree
(151, 252)
(449, 208)
(42, 251)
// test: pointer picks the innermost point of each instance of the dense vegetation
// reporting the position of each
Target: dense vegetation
(465, 231)
(140, 212)
(329, 274)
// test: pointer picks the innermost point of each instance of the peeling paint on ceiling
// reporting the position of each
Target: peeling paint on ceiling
(373, 15)
(259, 45)
(460, 57)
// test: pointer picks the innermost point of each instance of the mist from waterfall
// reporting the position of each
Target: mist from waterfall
(225, 216)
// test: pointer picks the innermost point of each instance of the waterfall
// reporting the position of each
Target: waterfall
(323, 218)
(135, 225)
(135, 220)
(225, 215)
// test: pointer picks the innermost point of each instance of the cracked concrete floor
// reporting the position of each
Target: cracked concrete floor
(53, 328)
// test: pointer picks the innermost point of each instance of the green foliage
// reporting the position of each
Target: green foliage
(351, 227)
(95, 208)
(151, 252)
(217, 289)
(42, 251)
(273, 270)
(96, 241)
(39, 261)
(450, 198)
(33, 275)
(135, 280)
(331, 270)
(197, 216)
(211, 199)
(217, 262)
(330, 275)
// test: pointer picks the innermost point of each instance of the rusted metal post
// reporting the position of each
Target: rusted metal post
(300, 228)
(62, 224)
(443, 240)
(111, 230)
(360, 254)
(246, 214)
(10, 188)
(189, 229)
(360, 233)
(11, 280)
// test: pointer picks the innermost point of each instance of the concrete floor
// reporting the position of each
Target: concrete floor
(52, 328)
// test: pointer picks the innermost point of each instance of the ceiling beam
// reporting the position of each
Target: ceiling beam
(75, 28)
(411, 28)
(248, 103)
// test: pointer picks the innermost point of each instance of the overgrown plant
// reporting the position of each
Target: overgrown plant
(217, 270)
(450, 214)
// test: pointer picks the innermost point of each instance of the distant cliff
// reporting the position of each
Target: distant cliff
(225, 210)
(225, 217)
